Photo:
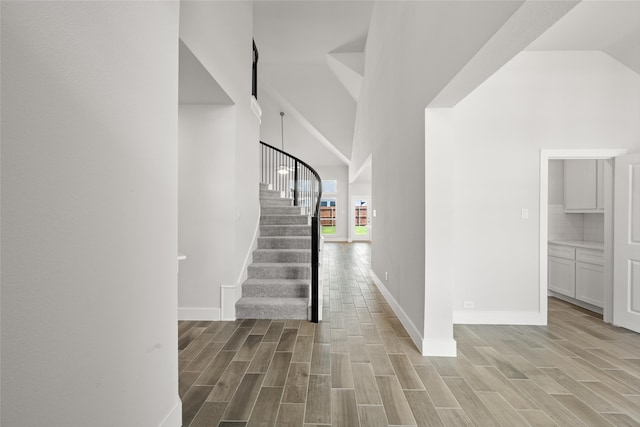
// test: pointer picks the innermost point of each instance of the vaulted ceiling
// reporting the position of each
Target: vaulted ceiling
(312, 56)
(311, 67)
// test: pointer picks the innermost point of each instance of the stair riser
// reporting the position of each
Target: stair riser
(281, 210)
(285, 230)
(284, 220)
(278, 282)
(280, 243)
(272, 201)
(271, 194)
(264, 186)
(276, 291)
(279, 272)
(288, 257)
(268, 312)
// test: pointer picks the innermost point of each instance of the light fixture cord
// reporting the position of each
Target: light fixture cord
(282, 128)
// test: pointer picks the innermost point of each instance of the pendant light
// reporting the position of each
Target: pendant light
(283, 169)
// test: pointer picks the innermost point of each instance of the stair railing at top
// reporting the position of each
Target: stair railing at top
(299, 181)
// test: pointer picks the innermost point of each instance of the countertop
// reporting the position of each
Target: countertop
(579, 244)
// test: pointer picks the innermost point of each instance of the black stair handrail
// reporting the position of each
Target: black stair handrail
(277, 168)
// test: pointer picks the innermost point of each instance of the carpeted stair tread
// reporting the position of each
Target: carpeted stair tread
(282, 255)
(282, 270)
(285, 230)
(276, 288)
(284, 220)
(266, 194)
(278, 280)
(271, 308)
(272, 201)
(281, 210)
(286, 242)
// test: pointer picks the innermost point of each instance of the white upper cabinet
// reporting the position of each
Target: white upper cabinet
(583, 186)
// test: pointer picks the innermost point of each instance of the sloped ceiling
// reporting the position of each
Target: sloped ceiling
(195, 84)
(609, 26)
(348, 67)
(312, 56)
(305, 31)
(299, 139)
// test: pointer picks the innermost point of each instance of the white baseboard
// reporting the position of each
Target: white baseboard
(440, 348)
(437, 348)
(174, 419)
(248, 259)
(472, 317)
(198, 313)
(228, 302)
(414, 333)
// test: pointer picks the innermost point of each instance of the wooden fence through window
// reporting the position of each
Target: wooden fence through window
(328, 215)
(361, 215)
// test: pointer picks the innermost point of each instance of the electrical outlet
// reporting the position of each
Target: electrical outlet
(468, 304)
(386, 276)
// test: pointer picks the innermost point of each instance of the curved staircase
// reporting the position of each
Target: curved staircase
(278, 280)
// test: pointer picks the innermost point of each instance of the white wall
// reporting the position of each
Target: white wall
(540, 100)
(206, 162)
(89, 214)
(361, 188)
(407, 64)
(341, 174)
(220, 35)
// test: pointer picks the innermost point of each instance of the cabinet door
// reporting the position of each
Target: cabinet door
(580, 182)
(590, 283)
(562, 276)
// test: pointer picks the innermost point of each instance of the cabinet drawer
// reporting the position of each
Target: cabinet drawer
(561, 251)
(592, 256)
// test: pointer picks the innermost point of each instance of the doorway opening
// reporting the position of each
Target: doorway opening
(562, 262)
(360, 218)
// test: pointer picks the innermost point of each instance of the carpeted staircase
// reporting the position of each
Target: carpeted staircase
(278, 280)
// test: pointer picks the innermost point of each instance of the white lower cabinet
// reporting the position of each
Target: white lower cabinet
(589, 283)
(569, 275)
(562, 276)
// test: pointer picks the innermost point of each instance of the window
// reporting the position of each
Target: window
(329, 186)
(328, 215)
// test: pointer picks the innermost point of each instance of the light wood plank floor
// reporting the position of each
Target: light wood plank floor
(360, 368)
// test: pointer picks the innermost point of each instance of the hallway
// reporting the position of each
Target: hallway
(359, 367)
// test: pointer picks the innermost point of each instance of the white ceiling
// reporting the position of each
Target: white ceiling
(299, 43)
(306, 31)
(610, 26)
(308, 52)
(195, 83)
(297, 139)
